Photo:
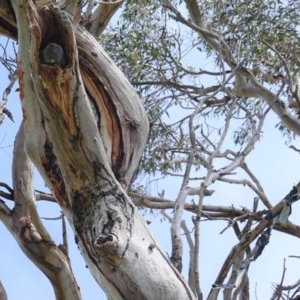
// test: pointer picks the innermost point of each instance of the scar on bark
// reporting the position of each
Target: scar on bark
(28, 231)
(107, 241)
(49, 162)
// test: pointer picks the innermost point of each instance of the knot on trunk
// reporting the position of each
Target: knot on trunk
(108, 243)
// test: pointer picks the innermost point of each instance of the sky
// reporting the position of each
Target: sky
(276, 165)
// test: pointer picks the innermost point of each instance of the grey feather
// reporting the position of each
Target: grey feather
(53, 54)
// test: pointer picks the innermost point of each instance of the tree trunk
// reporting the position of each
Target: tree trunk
(85, 130)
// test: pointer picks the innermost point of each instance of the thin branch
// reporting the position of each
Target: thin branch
(10, 194)
(246, 82)
(244, 243)
(248, 183)
(258, 189)
(288, 71)
(278, 290)
(65, 244)
(183, 87)
(3, 109)
(39, 195)
(3, 295)
(194, 263)
(44, 196)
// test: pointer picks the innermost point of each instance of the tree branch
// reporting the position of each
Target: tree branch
(246, 83)
(13, 79)
(30, 232)
(246, 241)
(99, 19)
(3, 295)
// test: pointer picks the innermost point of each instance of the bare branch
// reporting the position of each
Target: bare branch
(30, 232)
(279, 287)
(3, 295)
(294, 148)
(10, 195)
(247, 240)
(288, 71)
(44, 196)
(246, 82)
(194, 11)
(3, 109)
(97, 21)
(65, 244)
(194, 276)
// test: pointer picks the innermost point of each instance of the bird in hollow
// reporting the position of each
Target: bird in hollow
(53, 54)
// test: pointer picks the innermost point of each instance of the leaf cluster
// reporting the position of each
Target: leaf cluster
(166, 63)
(248, 25)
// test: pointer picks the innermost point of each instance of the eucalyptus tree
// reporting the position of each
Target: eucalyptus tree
(91, 137)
